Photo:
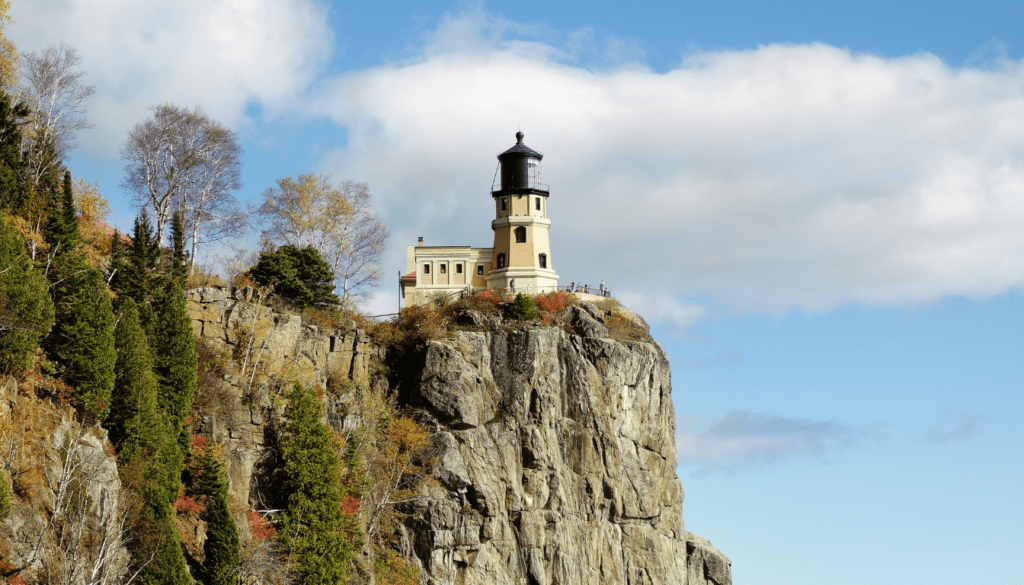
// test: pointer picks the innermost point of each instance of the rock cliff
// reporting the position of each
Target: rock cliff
(556, 462)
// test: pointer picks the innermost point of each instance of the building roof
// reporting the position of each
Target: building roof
(521, 149)
(410, 276)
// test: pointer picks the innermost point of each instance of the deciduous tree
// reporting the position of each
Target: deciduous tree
(182, 160)
(57, 99)
(8, 53)
(336, 220)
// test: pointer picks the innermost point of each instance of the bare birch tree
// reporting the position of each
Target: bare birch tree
(181, 160)
(337, 220)
(52, 88)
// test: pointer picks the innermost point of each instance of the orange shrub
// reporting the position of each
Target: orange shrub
(259, 526)
(552, 303)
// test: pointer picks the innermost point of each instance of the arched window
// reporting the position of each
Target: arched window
(520, 235)
(501, 260)
(543, 260)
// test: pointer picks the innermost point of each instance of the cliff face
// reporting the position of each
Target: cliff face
(556, 462)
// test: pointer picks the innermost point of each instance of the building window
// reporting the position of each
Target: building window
(458, 269)
(479, 269)
(444, 269)
(426, 269)
(504, 204)
(520, 235)
(538, 204)
(501, 260)
(543, 260)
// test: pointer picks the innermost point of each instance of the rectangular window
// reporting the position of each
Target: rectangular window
(444, 269)
(538, 204)
(479, 269)
(504, 204)
(458, 269)
(426, 269)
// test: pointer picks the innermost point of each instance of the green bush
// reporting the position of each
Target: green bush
(523, 308)
(5, 496)
(299, 275)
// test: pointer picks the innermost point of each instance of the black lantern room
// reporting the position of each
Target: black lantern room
(520, 170)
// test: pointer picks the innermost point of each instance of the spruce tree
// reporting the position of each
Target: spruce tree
(82, 342)
(147, 450)
(312, 525)
(62, 229)
(174, 346)
(12, 188)
(26, 311)
(221, 549)
(138, 277)
(179, 257)
(135, 422)
(298, 274)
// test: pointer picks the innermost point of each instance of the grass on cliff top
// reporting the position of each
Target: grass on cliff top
(439, 319)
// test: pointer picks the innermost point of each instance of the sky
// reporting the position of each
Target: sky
(816, 205)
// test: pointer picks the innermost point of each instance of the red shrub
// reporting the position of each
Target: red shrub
(552, 303)
(259, 526)
(351, 505)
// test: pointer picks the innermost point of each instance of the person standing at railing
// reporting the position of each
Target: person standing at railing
(512, 285)
(604, 289)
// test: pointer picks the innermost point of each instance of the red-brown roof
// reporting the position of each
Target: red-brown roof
(410, 276)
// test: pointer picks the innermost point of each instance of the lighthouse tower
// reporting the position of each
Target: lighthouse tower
(521, 249)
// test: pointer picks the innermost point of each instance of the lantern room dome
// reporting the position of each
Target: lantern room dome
(520, 149)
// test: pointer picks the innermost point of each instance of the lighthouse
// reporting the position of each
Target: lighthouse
(521, 256)
(521, 250)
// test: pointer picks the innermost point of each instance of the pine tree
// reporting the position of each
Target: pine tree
(174, 346)
(222, 547)
(62, 229)
(26, 311)
(312, 525)
(83, 339)
(298, 274)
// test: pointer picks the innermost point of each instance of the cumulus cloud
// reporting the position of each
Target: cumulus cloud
(220, 54)
(758, 180)
(743, 438)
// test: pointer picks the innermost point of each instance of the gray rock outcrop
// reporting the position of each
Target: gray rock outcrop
(556, 463)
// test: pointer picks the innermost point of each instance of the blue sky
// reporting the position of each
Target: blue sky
(817, 205)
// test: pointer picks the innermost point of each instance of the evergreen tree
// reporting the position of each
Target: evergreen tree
(12, 187)
(222, 547)
(312, 525)
(147, 451)
(174, 346)
(26, 311)
(298, 274)
(137, 280)
(135, 422)
(62, 229)
(83, 339)
(179, 257)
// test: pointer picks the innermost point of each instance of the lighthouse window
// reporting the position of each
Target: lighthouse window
(520, 235)
(504, 204)
(458, 269)
(501, 260)
(543, 260)
(479, 269)
(444, 269)
(426, 269)
(538, 204)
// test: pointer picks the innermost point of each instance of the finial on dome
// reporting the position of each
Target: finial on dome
(519, 137)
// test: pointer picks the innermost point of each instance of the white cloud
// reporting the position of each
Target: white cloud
(786, 176)
(955, 426)
(218, 54)
(742, 438)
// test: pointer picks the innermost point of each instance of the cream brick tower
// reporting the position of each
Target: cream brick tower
(521, 249)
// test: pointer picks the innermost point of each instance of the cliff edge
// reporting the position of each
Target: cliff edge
(555, 460)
